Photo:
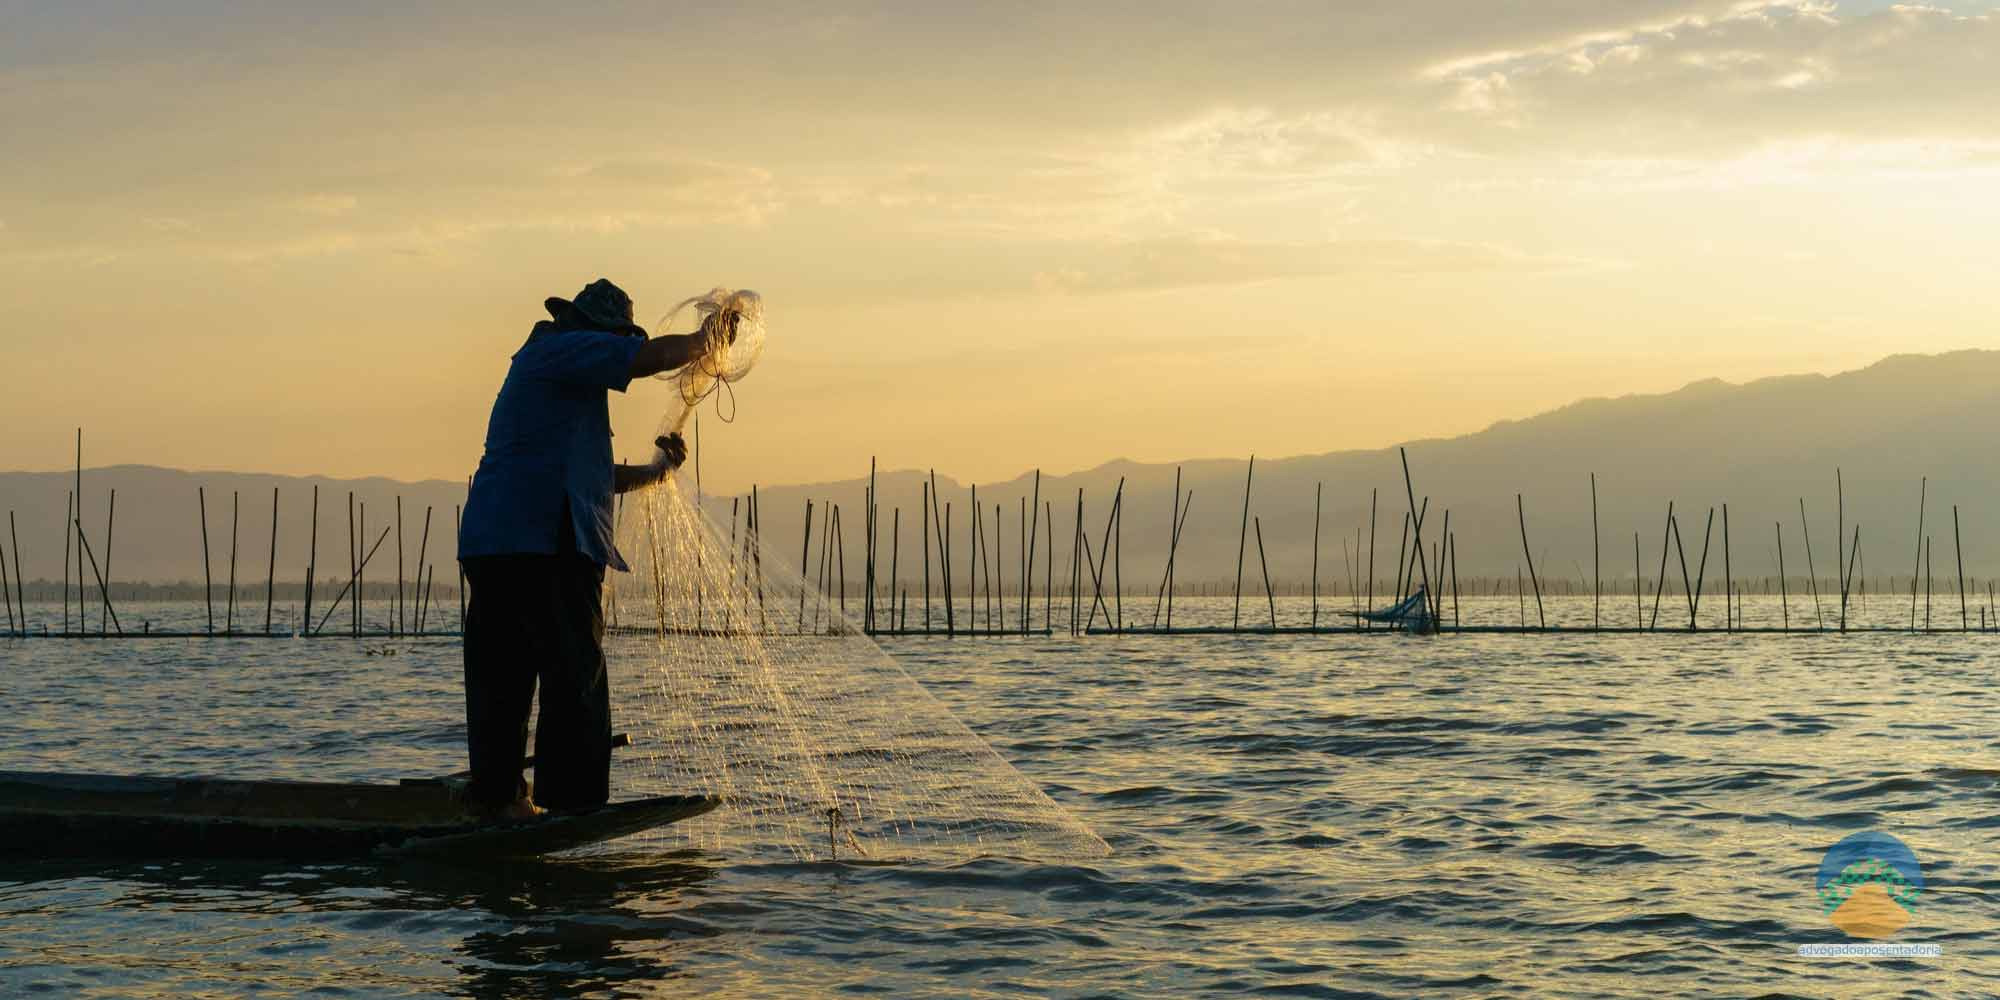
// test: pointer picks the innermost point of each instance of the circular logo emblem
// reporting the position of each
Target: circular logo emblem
(1869, 884)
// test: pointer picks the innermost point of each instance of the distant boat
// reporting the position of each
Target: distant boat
(1412, 612)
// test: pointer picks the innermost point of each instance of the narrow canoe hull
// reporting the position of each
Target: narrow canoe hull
(69, 815)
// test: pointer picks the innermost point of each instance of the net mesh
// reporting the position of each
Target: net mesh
(761, 689)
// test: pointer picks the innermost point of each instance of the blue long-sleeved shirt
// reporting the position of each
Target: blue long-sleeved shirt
(548, 450)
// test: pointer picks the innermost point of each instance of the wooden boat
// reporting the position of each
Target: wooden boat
(58, 815)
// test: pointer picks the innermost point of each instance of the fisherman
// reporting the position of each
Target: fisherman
(536, 539)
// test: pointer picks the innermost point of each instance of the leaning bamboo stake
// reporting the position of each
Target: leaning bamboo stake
(1923, 489)
(353, 586)
(1173, 547)
(1694, 596)
(1173, 531)
(271, 573)
(104, 592)
(83, 544)
(1266, 567)
(1417, 540)
(20, 593)
(805, 554)
(1853, 553)
(207, 575)
(1236, 616)
(235, 509)
(1812, 573)
(423, 553)
(7, 591)
(1521, 510)
(1318, 488)
(1840, 541)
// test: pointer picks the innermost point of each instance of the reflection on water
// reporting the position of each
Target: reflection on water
(1357, 816)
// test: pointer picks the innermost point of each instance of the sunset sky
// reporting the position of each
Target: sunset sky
(306, 237)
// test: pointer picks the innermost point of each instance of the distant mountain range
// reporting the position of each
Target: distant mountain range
(1758, 447)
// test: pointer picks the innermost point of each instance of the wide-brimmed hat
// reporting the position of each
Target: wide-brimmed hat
(603, 305)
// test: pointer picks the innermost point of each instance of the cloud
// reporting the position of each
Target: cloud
(1189, 262)
(1763, 73)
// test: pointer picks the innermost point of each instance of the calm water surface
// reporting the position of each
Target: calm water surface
(1313, 816)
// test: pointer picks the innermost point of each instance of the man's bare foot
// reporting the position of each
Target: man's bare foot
(520, 810)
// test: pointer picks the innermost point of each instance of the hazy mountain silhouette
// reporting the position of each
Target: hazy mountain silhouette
(1759, 447)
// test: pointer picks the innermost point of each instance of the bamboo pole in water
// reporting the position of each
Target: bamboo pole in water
(1596, 565)
(76, 525)
(1840, 541)
(401, 568)
(20, 594)
(1451, 547)
(1075, 553)
(1521, 511)
(1923, 489)
(1118, 561)
(943, 525)
(1402, 557)
(1242, 536)
(1417, 540)
(1694, 596)
(1103, 554)
(1034, 535)
(235, 510)
(1958, 548)
(1049, 568)
(83, 544)
(271, 573)
(924, 506)
(423, 553)
(7, 591)
(805, 554)
(895, 553)
(1363, 622)
(104, 592)
(1812, 572)
(353, 585)
(207, 575)
(1666, 537)
(1638, 583)
(1729, 616)
(1318, 488)
(1927, 583)
(1854, 553)
(1173, 548)
(312, 555)
(1265, 565)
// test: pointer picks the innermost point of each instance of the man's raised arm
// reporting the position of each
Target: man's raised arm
(664, 354)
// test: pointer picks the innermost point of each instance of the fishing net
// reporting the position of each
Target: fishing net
(760, 688)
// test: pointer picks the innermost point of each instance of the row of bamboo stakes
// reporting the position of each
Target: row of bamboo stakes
(1095, 571)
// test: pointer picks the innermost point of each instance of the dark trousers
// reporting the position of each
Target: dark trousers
(536, 617)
